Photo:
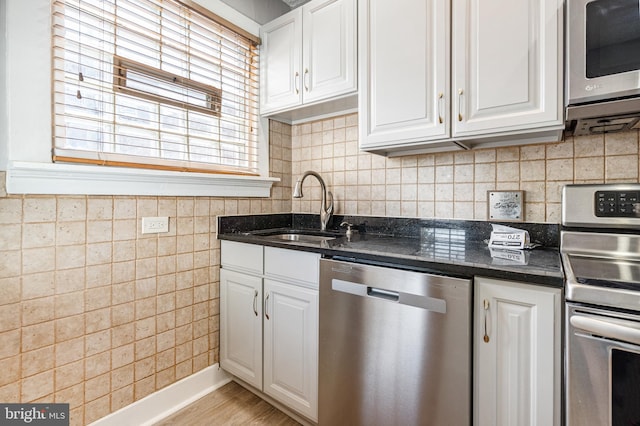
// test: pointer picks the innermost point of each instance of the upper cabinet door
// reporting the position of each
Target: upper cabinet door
(281, 62)
(404, 71)
(329, 48)
(507, 65)
(309, 56)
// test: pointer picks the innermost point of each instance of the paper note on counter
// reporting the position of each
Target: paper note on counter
(507, 237)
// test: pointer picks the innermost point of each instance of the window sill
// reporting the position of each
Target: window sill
(44, 178)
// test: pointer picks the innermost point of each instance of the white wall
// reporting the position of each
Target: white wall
(26, 53)
(3, 89)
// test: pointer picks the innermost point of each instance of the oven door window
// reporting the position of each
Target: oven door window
(625, 392)
(612, 37)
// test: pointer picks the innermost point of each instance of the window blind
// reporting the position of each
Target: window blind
(155, 84)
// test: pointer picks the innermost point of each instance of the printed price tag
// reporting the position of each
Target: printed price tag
(504, 236)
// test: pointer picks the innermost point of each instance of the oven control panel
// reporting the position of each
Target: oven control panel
(617, 204)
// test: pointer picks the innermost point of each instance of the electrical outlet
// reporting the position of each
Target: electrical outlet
(155, 225)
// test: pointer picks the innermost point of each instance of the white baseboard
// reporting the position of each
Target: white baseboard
(155, 407)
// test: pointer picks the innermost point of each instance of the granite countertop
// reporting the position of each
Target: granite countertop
(455, 248)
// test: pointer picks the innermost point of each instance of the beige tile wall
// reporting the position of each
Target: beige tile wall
(95, 314)
(452, 185)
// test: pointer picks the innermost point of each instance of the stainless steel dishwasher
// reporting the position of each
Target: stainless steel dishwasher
(395, 347)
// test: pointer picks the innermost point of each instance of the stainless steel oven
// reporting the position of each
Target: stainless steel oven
(603, 367)
(600, 249)
(603, 64)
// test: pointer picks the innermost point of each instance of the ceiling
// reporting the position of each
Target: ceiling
(263, 11)
(294, 3)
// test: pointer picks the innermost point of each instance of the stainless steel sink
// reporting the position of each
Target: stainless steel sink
(302, 238)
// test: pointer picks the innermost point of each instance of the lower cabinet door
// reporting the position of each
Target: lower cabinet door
(241, 326)
(516, 354)
(291, 346)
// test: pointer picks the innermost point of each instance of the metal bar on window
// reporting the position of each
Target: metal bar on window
(212, 95)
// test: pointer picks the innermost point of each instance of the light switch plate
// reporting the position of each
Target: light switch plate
(155, 225)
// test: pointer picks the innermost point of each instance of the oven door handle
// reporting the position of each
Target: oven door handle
(607, 329)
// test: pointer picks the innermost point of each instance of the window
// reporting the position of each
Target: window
(158, 84)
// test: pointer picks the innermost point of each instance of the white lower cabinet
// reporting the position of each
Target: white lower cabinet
(291, 346)
(241, 326)
(517, 362)
(269, 322)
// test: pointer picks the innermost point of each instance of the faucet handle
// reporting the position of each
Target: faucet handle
(347, 225)
(350, 231)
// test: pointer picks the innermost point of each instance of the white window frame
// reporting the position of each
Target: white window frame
(26, 123)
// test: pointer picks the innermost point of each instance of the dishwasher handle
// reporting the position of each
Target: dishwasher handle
(419, 301)
(394, 296)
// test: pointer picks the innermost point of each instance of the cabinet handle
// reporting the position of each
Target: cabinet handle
(460, 93)
(486, 314)
(255, 302)
(295, 82)
(266, 305)
(440, 99)
(304, 79)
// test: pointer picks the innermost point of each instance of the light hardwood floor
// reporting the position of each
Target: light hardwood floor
(230, 405)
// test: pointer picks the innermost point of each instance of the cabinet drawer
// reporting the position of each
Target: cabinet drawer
(299, 266)
(242, 256)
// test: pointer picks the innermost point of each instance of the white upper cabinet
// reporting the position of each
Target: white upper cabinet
(309, 56)
(329, 49)
(507, 66)
(504, 85)
(404, 71)
(281, 62)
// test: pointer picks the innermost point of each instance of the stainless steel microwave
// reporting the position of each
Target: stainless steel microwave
(603, 65)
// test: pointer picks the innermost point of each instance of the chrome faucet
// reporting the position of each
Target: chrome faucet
(325, 211)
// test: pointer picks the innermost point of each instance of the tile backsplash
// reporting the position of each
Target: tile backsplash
(96, 314)
(454, 184)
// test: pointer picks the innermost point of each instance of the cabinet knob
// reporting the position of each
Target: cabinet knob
(460, 93)
(440, 99)
(304, 79)
(295, 82)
